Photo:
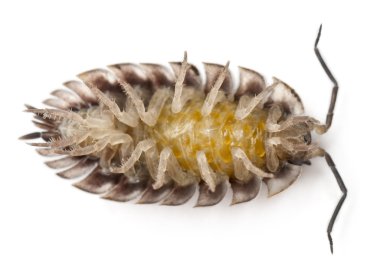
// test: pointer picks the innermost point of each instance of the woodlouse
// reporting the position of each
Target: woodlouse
(143, 129)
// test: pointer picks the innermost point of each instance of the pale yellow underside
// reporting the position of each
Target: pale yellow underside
(188, 131)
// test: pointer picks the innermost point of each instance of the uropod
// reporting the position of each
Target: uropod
(147, 132)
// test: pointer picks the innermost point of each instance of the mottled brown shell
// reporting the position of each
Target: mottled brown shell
(146, 79)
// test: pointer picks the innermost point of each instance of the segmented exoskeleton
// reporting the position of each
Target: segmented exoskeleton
(144, 130)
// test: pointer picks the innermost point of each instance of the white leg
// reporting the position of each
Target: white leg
(126, 142)
(315, 152)
(208, 175)
(98, 146)
(106, 157)
(156, 103)
(152, 159)
(125, 151)
(274, 115)
(56, 114)
(120, 138)
(64, 142)
(180, 99)
(141, 147)
(247, 103)
(239, 155)
(126, 147)
(313, 124)
(161, 177)
(215, 94)
(123, 117)
(272, 160)
(168, 163)
(240, 171)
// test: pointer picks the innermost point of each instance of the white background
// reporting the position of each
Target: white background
(47, 226)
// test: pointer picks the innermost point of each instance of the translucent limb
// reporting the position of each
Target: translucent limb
(211, 178)
(101, 144)
(98, 146)
(272, 161)
(125, 151)
(161, 176)
(120, 138)
(141, 147)
(247, 103)
(214, 95)
(315, 151)
(241, 172)
(152, 159)
(294, 120)
(168, 163)
(156, 103)
(292, 146)
(274, 115)
(179, 98)
(123, 117)
(57, 114)
(62, 142)
(106, 157)
(239, 156)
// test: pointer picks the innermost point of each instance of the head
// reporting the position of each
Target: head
(288, 131)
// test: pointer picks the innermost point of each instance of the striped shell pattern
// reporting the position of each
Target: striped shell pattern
(79, 95)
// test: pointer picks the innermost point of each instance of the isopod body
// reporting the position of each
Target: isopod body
(150, 131)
